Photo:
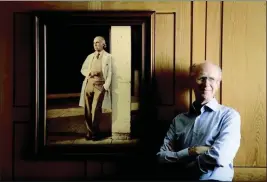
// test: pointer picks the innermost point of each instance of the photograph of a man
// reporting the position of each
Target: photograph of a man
(95, 93)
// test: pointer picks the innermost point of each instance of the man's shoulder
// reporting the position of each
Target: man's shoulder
(229, 112)
(182, 117)
(228, 109)
(90, 55)
(107, 54)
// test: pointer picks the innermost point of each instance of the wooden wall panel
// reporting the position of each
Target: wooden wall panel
(95, 5)
(244, 70)
(182, 56)
(164, 57)
(21, 114)
(49, 5)
(6, 92)
(198, 34)
(243, 62)
(250, 174)
(41, 170)
(213, 35)
(22, 59)
(159, 6)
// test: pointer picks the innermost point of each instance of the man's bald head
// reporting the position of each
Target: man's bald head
(197, 68)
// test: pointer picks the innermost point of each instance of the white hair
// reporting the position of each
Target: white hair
(195, 68)
(102, 40)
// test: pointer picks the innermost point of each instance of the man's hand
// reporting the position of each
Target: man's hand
(198, 150)
(201, 149)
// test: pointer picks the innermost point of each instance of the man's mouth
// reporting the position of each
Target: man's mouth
(204, 90)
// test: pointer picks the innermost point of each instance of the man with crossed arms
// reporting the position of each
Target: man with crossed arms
(203, 142)
(95, 94)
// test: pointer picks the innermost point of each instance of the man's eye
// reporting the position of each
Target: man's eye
(211, 78)
(203, 78)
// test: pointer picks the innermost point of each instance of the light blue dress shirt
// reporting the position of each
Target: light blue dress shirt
(216, 126)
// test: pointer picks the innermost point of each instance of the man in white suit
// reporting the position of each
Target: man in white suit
(96, 92)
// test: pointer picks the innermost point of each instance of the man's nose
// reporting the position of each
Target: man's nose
(205, 81)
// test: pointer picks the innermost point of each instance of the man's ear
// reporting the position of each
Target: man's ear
(218, 83)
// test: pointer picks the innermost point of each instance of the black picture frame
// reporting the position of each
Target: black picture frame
(40, 21)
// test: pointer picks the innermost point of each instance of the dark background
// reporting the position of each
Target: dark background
(67, 48)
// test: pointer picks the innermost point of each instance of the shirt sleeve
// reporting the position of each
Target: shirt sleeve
(225, 147)
(167, 153)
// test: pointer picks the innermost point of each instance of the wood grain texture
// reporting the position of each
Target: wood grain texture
(250, 174)
(159, 6)
(164, 58)
(95, 5)
(182, 56)
(49, 5)
(244, 63)
(199, 30)
(152, 54)
(198, 34)
(213, 38)
(244, 76)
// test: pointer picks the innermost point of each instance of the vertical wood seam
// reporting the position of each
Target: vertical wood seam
(206, 27)
(154, 50)
(221, 47)
(191, 46)
(174, 60)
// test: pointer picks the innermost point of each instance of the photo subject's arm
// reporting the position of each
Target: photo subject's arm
(167, 153)
(108, 80)
(225, 147)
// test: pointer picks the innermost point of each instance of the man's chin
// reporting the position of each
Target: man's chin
(206, 96)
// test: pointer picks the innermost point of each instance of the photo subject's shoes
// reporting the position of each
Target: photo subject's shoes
(88, 136)
(92, 136)
(95, 137)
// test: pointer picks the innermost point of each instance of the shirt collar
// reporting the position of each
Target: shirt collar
(212, 104)
(101, 53)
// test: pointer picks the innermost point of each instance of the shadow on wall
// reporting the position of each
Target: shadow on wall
(152, 130)
(150, 126)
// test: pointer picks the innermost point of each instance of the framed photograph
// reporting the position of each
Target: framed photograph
(92, 72)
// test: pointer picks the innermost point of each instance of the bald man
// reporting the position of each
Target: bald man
(202, 143)
(95, 94)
